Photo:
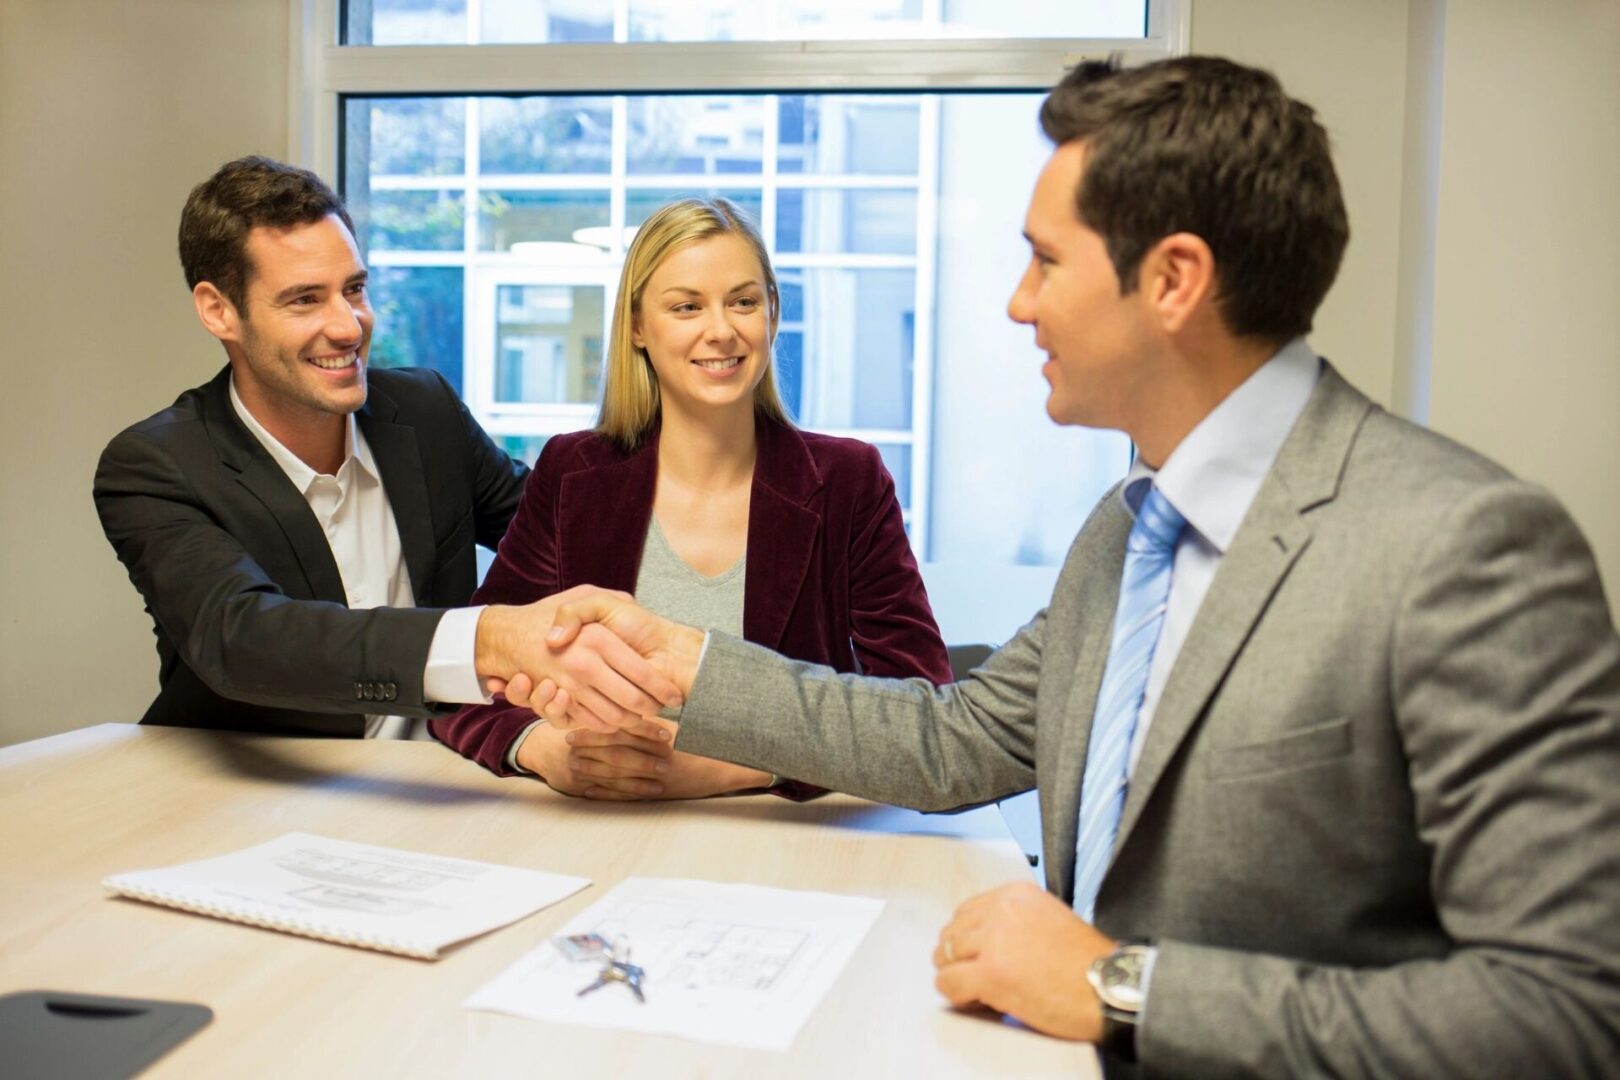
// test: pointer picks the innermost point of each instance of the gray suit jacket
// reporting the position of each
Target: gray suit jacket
(1375, 826)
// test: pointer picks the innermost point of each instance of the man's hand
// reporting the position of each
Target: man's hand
(1023, 952)
(610, 683)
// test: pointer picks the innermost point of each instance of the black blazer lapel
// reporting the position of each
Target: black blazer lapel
(782, 532)
(1273, 535)
(404, 476)
(262, 478)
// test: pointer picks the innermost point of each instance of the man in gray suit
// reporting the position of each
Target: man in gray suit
(1325, 711)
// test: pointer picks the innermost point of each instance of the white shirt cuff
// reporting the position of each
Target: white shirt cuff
(451, 675)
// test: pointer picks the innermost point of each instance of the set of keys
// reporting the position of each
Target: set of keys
(617, 968)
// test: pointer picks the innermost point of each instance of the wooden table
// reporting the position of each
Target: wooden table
(77, 807)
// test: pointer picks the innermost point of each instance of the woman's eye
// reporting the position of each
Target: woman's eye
(748, 302)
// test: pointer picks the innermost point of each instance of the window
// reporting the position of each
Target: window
(498, 154)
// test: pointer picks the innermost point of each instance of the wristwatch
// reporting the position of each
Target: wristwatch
(1118, 980)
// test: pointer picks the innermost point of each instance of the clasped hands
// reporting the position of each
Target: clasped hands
(598, 667)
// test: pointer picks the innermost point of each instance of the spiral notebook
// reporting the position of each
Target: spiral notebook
(379, 898)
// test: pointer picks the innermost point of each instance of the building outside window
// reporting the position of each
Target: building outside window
(499, 154)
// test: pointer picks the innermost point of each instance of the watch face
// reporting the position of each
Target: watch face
(1119, 978)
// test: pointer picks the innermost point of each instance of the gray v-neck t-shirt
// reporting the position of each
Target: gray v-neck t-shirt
(667, 586)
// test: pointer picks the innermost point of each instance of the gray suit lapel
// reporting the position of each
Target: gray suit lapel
(1100, 558)
(1274, 533)
(399, 460)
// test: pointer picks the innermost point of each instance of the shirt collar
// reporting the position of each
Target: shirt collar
(355, 448)
(1214, 474)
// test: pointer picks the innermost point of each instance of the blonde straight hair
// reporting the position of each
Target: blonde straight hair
(630, 399)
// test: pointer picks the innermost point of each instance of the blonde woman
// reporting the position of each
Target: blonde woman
(697, 494)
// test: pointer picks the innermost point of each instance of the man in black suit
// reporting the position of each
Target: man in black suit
(303, 530)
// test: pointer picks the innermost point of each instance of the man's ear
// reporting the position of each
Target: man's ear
(218, 315)
(1178, 279)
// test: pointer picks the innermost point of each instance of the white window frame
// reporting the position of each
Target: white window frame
(322, 73)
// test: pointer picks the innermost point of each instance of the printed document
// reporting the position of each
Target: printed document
(742, 965)
(355, 894)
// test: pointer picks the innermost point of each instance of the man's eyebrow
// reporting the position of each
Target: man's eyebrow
(291, 291)
(294, 290)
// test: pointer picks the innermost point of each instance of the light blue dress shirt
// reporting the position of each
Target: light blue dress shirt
(1212, 478)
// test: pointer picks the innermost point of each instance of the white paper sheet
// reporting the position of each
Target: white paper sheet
(742, 965)
(354, 894)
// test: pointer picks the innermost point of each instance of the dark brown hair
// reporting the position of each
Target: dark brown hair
(243, 195)
(1202, 145)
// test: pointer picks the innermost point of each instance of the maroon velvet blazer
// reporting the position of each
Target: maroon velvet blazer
(830, 576)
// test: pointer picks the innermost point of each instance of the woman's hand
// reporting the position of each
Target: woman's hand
(636, 763)
(623, 766)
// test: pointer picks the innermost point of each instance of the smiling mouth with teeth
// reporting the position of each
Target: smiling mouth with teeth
(335, 363)
(723, 364)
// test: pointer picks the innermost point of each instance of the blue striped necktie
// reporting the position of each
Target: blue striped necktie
(1144, 589)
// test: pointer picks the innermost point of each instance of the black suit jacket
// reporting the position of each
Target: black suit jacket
(253, 632)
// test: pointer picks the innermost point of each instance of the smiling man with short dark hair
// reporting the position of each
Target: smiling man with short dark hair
(301, 528)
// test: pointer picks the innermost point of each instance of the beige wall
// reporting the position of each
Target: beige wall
(1349, 61)
(109, 111)
(1527, 268)
(1480, 155)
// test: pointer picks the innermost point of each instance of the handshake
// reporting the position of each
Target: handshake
(587, 658)
(598, 668)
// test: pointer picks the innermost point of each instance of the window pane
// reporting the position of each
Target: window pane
(639, 203)
(897, 459)
(852, 347)
(419, 318)
(445, 22)
(702, 135)
(411, 220)
(525, 448)
(513, 217)
(838, 135)
(546, 135)
(406, 136)
(557, 22)
(855, 221)
(404, 22)
(548, 344)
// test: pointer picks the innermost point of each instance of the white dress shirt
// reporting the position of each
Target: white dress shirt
(1211, 479)
(354, 512)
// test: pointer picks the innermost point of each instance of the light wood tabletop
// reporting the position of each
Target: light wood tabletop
(77, 807)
